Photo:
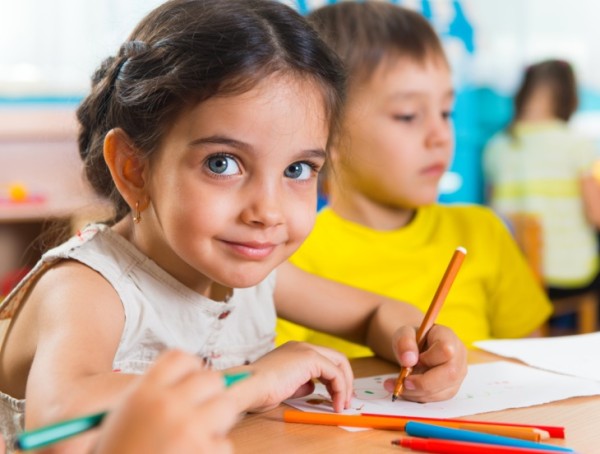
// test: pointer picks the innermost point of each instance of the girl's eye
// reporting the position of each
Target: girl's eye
(223, 165)
(447, 115)
(299, 171)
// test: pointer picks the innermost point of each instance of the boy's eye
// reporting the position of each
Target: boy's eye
(405, 118)
(448, 114)
(298, 171)
(223, 165)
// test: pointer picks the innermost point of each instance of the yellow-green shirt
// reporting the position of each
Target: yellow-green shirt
(494, 295)
(538, 172)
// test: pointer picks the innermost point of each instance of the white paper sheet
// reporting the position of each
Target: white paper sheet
(572, 355)
(488, 387)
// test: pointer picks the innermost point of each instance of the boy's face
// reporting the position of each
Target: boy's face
(233, 189)
(397, 136)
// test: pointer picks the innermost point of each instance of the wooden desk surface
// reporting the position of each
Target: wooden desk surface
(267, 433)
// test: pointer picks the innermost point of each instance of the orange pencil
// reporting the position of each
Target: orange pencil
(552, 431)
(434, 308)
(382, 422)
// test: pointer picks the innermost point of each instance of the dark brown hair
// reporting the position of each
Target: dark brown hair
(558, 75)
(365, 34)
(185, 52)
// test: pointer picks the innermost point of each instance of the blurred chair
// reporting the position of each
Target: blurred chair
(527, 232)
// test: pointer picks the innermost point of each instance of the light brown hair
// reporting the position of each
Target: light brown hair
(367, 34)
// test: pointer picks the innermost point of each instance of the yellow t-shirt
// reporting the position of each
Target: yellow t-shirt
(494, 295)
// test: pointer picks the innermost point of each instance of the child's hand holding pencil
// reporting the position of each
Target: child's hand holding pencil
(429, 349)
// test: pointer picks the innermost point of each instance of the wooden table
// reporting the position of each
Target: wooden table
(266, 433)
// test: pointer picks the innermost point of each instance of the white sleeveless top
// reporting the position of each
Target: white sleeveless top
(160, 312)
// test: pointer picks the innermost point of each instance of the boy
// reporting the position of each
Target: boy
(383, 231)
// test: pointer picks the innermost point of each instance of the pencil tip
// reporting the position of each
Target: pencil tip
(544, 434)
(394, 397)
(396, 442)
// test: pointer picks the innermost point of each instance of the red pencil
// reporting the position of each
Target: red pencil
(554, 431)
(461, 447)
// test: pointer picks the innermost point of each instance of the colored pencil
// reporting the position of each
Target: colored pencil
(432, 312)
(48, 435)
(461, 447)
(553, 431)
(382, 422)
(419, 429)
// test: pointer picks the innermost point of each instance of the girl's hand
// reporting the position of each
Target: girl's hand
(287, 372)
(438, 370)
(177, 407)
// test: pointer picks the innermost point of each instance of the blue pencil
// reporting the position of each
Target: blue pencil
(419, 429)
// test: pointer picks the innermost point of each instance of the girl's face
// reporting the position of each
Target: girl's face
(233, 189)
(397, 138)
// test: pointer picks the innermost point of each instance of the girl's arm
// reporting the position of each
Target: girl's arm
(176, 407)
(590, 191)
(78, 320)
(385, 325)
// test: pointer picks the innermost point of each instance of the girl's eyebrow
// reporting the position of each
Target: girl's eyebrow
(318, 153)
(219, 140)
(224, 140)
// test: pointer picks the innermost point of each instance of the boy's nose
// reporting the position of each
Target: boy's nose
(440, 132)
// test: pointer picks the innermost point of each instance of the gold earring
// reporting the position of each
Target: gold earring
(137, 215)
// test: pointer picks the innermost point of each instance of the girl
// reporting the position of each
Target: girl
(383, 230)
(554, 181)
(207, 130)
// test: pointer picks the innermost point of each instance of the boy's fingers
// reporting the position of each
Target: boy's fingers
(405, 346)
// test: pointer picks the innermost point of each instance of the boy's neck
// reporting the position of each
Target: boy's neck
(359, 209)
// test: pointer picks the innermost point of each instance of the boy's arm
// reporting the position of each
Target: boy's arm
(353, 314)
(387, 326)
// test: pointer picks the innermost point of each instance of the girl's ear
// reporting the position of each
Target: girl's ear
(127, 167)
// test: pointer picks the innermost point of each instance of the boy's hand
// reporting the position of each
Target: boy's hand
(438, 370)
(288, 371)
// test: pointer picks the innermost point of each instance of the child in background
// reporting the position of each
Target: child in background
(554, 180)
(383, 230)
(207, 130)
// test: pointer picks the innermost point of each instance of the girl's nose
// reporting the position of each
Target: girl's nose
(263, 207)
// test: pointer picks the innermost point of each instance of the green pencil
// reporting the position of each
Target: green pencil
(47, 435)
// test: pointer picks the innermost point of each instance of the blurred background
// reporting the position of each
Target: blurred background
(50, 48)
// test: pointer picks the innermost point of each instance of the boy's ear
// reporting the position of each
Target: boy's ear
(127, 167)
(334, 153)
